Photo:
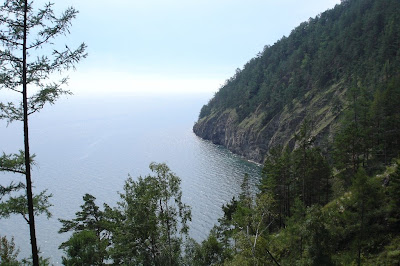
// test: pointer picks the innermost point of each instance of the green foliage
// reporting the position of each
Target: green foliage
(150, 220)
(90, 239)
(18, 205)
(146, 228)
(358, 226)
(369, 131)
(317, 238)
(303, 173)
(42, 261)
(306, 240)
(83, 248)
(25, 32)
(352, 143)
(240, 237)
(209, 252)
(14, 163)
(48, 27)
(358, 39)
(351, 55)
(89, 218)
(10, 204)
(392, 191)
(311, 169)
(389, 256)
(295, 219)
(8, 252)
(366, 202)
(10, 188)
(385, 116)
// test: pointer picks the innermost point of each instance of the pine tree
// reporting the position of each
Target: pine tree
(90, 240)
(24, 33)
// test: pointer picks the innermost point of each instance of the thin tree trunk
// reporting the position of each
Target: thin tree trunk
(29, 194)
(169, 233)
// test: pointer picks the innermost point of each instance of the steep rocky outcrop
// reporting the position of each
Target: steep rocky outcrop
(253, 137)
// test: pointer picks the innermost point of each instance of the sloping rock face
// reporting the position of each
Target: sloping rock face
(253, 137)
(223, 129)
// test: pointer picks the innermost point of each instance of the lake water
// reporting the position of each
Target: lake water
(90, 145)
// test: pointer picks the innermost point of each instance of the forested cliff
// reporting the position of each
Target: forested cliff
(344, 57)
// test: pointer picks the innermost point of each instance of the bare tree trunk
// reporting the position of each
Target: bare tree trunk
(29, 194)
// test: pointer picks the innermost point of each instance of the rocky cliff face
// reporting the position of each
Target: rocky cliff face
(255, 135)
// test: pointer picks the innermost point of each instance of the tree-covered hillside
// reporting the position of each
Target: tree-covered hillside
(309, 74)
(321, 109)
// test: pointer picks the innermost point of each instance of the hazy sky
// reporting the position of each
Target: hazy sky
(175, 45)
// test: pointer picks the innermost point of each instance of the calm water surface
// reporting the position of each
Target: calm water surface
(90, 145)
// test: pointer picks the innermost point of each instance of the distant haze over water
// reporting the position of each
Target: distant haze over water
(90, 145)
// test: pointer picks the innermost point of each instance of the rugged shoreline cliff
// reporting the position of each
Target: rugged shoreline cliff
(251, 138)
(305, 76)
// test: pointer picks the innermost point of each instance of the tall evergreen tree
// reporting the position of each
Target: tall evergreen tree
(278, 180)
(366, 202)
(24, 33)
